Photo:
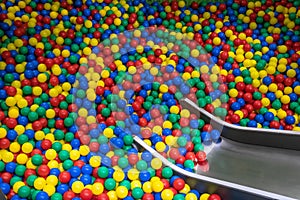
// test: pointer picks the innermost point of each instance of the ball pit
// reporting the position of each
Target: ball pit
(67, 128)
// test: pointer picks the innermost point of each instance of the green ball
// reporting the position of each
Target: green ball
(20, 170)
(123, 162)
(181, 141)
(67, 164)
(110, 184)
(9, 78)
(178, 197)
(102, 139)
(167, 172)
(63, 155)
(257, 95)
(56, 196)
(2, 166)
(128, 140)
(126, 183)
(59, 134)
(105, 112)
(137, 193)
(57, 146)
(22, 139)
(37, 160)
(30, 179)
(102, 172)
(276, 104)
(68, 122)
(141, 165)
(24, 191)
(189, 164)
(33, 116)
(69, 137)
(198, 147)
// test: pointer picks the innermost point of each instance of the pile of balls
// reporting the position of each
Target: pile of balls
(78, 81)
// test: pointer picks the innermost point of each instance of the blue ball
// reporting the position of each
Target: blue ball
(269, 116)
(75, 171)
(235, 106)
(290, 120)
(144, 176)
(42, 196)
(267, 80)
(87, 169)
(252, 123)
(5, 188)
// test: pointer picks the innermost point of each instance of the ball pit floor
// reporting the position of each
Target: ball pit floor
(79, 80)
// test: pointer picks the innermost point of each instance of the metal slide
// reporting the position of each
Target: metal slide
(249, 163)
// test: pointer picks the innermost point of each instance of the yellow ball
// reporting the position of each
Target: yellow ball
(88, 24)
(22, 159)
(74, 155)
(13, 112)
(167, 124)
(281, 114)
(170, 140)
(233, 92)
(7, 157)
(265, 101)
(52, 180)
(27, 147)
(118, 175)
(160, 146)
(195, 53)
(291, 73)
(273, 87)
(174, 109)
(217, 41)
(49, 189)
(10, 101)
(108, 132)
(95, 161)
(97, 188)
(167, 194)
(133, 174)
(282, 49)
(205, 196)
(112, 195)
(156, 163)
(191, 196)
(285, 99)
(84, 150)
(14, 147)
(39, 183)
(147, 187)
(50, 154)
(122, 192)
(105, 74)
(157, 186)
(297, 90)
(77, 187)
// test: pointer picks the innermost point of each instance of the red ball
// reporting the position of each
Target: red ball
(86, 194)
(178, 184)
(69, 195)
(235, 118)
(148, 197)
(133, 159)
(64, 177)
(257, 104)
(46, 144)
(174, 153)
(4, 143)
(214, 197)
(43, 171)
(201, 156)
